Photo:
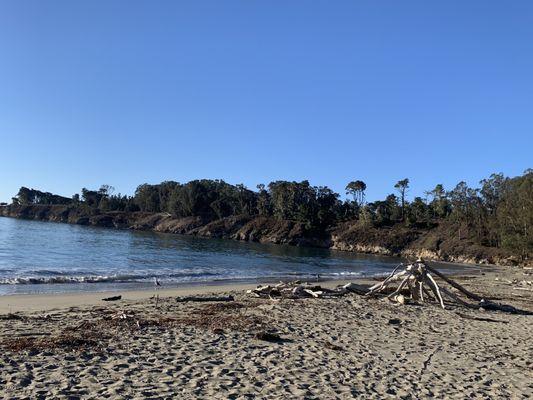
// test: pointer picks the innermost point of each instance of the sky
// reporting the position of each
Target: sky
(128, 92)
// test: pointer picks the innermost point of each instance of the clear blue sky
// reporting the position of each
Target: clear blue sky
(126, 92)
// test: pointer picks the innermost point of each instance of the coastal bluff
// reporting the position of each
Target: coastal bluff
(436, 243)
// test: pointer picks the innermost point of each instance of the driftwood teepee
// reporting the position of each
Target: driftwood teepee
(419, 279)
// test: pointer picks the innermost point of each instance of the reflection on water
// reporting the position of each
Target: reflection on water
(42, 256)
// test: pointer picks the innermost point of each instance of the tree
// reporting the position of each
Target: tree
(515, 215)
(402, 187)
(91, 197)
(357, 190)
(106, 190)
(418, 212)
(147, 198)
(165, 190)
(33, 196)
(263, 201)
(315, 206)
(439, 204)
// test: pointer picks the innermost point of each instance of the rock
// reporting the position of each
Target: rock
(400, 299)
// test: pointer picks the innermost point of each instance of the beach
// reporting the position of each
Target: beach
(149, 346)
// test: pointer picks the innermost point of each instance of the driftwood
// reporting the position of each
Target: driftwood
(204, 299)
(419, 280)
(413, 282)
(299, 290)
(490, 306)
(112, 298)
(11, 316)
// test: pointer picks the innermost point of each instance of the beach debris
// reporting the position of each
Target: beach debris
(122, 315)
(64, 341)
(299, 290)
(268, 337)
(419, 280)
(11, 316)
(395, 321)
(415, 282)
(400, 299)
(112, 298)
(491, 306)
(332, 346)
(24, 334)
(225, 316)
(99, 327)
(204, 298)
(355, 288)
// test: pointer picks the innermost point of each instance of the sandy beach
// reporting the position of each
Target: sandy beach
(77, 346)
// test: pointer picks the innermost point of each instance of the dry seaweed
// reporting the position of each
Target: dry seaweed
(104, 326)
(223, 316)
(64, 341)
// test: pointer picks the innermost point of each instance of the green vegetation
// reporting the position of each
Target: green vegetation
(497, 214)
(32, 196)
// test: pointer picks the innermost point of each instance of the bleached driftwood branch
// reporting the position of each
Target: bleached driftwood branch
(299, 290)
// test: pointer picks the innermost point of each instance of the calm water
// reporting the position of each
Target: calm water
(52, 257)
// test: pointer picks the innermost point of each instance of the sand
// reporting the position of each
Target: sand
(349, 347)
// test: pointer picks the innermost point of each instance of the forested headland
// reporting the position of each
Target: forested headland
(491, 223)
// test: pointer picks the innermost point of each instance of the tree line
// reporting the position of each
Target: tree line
(498, 213)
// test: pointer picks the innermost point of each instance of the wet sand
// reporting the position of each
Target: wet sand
(77, 346)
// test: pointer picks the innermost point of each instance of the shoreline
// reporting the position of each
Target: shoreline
(47, 301)
(34, 302)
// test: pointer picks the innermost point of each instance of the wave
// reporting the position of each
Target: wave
(62, 279)
(357, 273)
(56, 277)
